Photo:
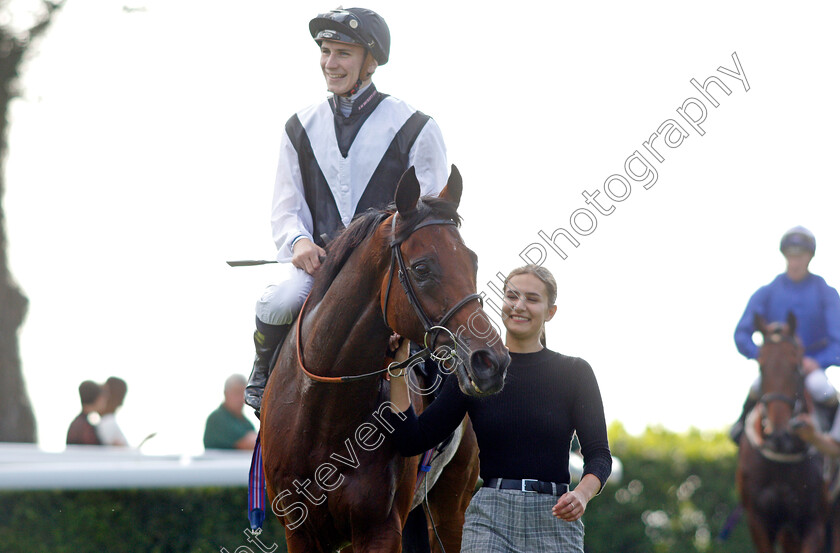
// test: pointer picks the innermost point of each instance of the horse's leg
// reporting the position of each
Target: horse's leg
(383, 538)
(792, 543)
(834, 522)
(451, 494)
(296, 542)
(761, 537)
(814, 539)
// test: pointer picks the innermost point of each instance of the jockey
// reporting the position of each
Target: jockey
(816, 306)
(338, 158)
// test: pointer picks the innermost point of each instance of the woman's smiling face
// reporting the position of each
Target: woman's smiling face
(526, 307)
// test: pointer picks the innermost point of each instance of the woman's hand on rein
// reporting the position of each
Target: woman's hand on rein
(400, 346)
(400, 400)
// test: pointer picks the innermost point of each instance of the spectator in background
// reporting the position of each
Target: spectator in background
(82, 431)
(227, 427)
(108, 430)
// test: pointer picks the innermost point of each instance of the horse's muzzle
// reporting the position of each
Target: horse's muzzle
(782, 441)
(487, 370)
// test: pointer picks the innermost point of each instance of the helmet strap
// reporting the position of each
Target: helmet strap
(359, 80)
(353, 90)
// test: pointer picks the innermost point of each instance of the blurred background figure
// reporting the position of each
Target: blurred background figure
(227, 427)
(816, 306)
(82, 431)
(108, 430)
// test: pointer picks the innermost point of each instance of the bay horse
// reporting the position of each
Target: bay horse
(778, 476)
(333, 477)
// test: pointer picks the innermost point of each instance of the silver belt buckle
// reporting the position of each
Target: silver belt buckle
(523, 485)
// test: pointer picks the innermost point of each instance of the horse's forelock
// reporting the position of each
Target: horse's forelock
(428, 207)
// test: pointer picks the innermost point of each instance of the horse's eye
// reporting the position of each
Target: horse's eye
(420, 269)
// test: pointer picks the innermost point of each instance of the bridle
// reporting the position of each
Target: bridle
(432, 329)
(796, 403)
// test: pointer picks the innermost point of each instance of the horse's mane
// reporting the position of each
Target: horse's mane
(365, 225)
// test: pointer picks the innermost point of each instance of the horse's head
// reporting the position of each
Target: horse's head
(782, 385)
(437, 272)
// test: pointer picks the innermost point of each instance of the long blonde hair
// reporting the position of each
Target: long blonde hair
(545, 277)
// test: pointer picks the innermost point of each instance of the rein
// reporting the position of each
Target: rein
(430, 328)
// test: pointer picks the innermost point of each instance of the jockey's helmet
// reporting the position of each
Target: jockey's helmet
(355, 26)
(798, 240)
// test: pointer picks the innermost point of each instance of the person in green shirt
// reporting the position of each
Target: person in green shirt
(227, 427)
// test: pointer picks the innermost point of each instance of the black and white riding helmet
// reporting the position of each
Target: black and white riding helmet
(355, 26)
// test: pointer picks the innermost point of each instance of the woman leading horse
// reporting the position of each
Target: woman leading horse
(333, 477)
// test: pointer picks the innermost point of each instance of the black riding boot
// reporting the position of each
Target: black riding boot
(266, 339)
(738, 428)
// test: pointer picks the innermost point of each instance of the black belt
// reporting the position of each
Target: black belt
(526, 485)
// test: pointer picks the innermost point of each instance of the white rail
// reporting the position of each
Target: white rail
(26, 467)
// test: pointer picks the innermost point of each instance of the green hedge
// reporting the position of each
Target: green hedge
(675, 497)
(129, 521)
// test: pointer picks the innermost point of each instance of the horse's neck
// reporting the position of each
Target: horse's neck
(344, 334)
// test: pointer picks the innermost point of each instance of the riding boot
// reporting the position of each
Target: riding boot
(266, 339)
(738, 428)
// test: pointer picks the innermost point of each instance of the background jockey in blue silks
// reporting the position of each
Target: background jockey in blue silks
(338, 158)
(816, 306)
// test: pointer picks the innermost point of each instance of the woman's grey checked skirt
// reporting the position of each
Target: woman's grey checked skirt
(511, 521)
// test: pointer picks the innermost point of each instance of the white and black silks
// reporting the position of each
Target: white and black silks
(333, 167)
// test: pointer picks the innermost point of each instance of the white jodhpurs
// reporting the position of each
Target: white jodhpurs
(280, 303)
(816, 383)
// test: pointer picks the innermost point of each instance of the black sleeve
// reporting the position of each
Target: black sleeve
(414, 435)
(590, 424)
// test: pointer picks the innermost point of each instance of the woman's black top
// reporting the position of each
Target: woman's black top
(525, 430)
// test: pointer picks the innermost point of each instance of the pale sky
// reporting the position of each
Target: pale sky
(144, 144)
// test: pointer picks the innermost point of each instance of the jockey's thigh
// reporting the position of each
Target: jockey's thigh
(280, 303)
(820, 388)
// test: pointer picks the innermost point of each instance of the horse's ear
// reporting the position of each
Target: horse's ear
(408, 192)
(759, 323)
(454, 186)
(791, 321)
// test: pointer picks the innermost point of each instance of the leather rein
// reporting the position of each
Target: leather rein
(431, 328)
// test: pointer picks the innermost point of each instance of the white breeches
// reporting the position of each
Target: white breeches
(280, 303)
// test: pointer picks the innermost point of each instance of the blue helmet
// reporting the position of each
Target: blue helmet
(798, 239)
(355, 26)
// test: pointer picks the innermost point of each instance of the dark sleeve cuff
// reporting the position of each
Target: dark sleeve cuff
(600, 467)
(406, 431)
